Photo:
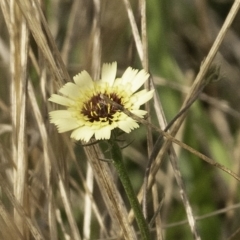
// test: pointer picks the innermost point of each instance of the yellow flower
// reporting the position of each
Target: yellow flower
(88, 114)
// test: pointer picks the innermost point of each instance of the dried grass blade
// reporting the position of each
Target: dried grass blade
(91, 197)
(88, 204)
(112, 198)
(145, 62)
(6, 12)
(52, 163)
(12, 228)
(197, 84)
(134, 27)
(62, 226)
(158, 221)
(67, 206)
(31, 13)
(70, 31)
(199, 80)
(19, 54)
(33, 229)
(52, 218)
(47, 161)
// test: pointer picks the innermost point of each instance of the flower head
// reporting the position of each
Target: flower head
(88, 114)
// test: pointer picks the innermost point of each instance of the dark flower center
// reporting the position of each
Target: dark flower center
(97, 109)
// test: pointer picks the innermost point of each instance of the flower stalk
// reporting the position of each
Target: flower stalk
(122, 173)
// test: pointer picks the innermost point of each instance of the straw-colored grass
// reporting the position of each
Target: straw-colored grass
(54, 188)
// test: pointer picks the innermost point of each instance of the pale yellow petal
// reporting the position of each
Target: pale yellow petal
(61, 100)
(83, 80)
(70, 90)
(83, 133)
(139, 80)
(140, 93)
(109, 71)
(117, 82)
(129, 75)
(144, 98)
(127, 125)
(60, 114)
(65, 124)
(140, 113)
(103, 133)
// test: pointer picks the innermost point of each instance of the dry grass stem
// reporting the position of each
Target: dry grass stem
(54, 188)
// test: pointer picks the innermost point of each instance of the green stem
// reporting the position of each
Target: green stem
(122, 172)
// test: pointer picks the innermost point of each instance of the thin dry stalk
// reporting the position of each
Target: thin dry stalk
(197, 83)
(9, 221)
(158, 221)
(24, 217)
(142, 52)
(51, 160)
(19, 53)
(134, 28)
(47, 181)
(95, 71)
(88, 204)
(31, 11)
(199, 80)
(113, 199)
